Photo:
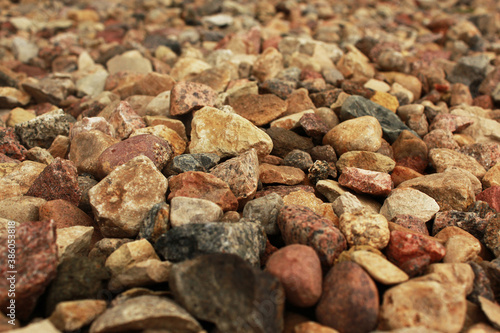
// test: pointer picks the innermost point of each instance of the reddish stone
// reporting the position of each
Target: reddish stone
(298, 269)
(189, 96)
(410, 151)
(491, 196)
(283, 190)
(59, 180)
(468, 221)
(483, 101)
(355, 88)
(281, 88)
(486, 153)
(201, 185)
(300, 225)
(325, 98)
(413, 252)
(259, 109)
(6, 159)
(401, 174)
(451, 122)
(153, 84)
(366, 181)
(155, 148)
(35, 264)
(270, 248)
(440, 138)
(313, 125)
(412, 223)
(125, 120)
(10, 146)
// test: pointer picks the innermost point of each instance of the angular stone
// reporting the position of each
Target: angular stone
(187, 67)
(35, 265)
(152, 84)
(131, 61)
(174, 124)
(440, 139)
(300, 225)
(193, 162)
(409, 201)
(19, 180)
(330, 189)
(259, 109)
(268, 64)
(141, 274)
(269, 174)
(311, 201)
(59, 180)
(477, 187)
(245, 239)
(42, 130)
(298, 269)
(18, 115)
(365, 160)
(73, 315)
(241, 173)
(379, 268)
(461, 249)
(123, 198)
(292, 121)
(184, 210)
(73, 241)
(492, 235)
(284, 141)
(11, 97)
(226, 134)
(314, 126)
(39, 155)
(450, 122)
(363, 228)
(350, 300)
(442, 158)
(146, 312)
(363, 133)
(468, 221)
(193, 282)
(156, 149)
(177, 144)
(487, 154)
(492, 196)
(491, 310)
(357, 106)
(89, 124)
(451, 190)
(350, 203)
(103, 248)
(21, 209)
(410, 151)
(86, 147)
(125, 120)
(483, 130)
(53, 88)
(201, 185)
(189, 96)
(265, 211)
(366, 181)
(10, 146)
(298, 159)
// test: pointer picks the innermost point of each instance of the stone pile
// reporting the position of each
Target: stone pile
(256, 166)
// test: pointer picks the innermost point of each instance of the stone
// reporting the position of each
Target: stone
(73, 315)
(59, 180)
(298, 159)
(21, 209)
(458, 275)
(297, 101)
(487, 154)
(265, 211)
(350, 203)
(491, 310)
(201, 185)
(193, 282)
(413, 252)
(483, 130)
(86, 182)
(131, 61)
(156, 223)
(42, 130)
(19, 180)
(103, 248)
(174, 124)
(268, 64)
(53, 89)
(293, 121)
(41, 326)
(311, 326)
(18, 115)
(363, 133)
(350, 300)
(468, 221)
(477, 187)
(12, 98)
(298, 269)
(91, 123)
(189, 96)
(442, 158)
(284, 141)
(409, 201)
(141, 274)
(187, 67)
(39, 155)
(461, 249)
(311, 201)
(35, 265)
(269, 174)
(321, 170)
(300, 225)
(226, 134)
(193, 162)
(451, 190)
(241, 173)
(491, 196)
(184, 210)
(491, 235)
(152, 84)
(146, 312)
(125, 120)
(410, 151)
(481, 286)
(389, 122)
(365, 160)
(440, 139)
(386, 100)
(451, 122)
(73, 241)
(366, 181)
(123, 198)
(492, 177)
(363, 228)
(427, 304)
(469, 69)
(85, 149)
(314, 126)
(10, 146)
(177, 144)
(156, 149)
(379, 268)
(330, 189)
(259, 109)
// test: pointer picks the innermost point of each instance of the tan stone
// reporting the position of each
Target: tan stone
(492, 177)
(457, 274)
(172, 137)
(141, 274)
(73, 241)
(291, 121)
(308, 199)
(386, 100)
(186, 68)
(410, 82)
(19, 115)
(268, 64)
(20, 179)
(184, 210)
(491, 310)
(44, 326)
(6, 168)
(21, 208)
(410, 202)
(73, 315)
(379, 268)
(279, 174)
(365, 160)
(311, 326)
(176, 125)
(128, 254)
(461, 249)
(363, 228)
(443, 158)
(477, 187)
(60, 146)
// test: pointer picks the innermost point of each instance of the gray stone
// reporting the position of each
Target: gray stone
(23, 49)
(469, 70)
(156, 223)
(265, 211)
(192, 162)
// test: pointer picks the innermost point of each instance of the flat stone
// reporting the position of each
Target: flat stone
(245, 239)
(269, 174)
(175, 141)
(145, 312)
(409, 201)
(131, 61)
(300, 225)
(125, 120)
(216, 78)
(59, 180)
(350, 294)
(189, 96)
(442, 158)
(201, 185)
(35, 265)
(284, 141)
(10, 145)
(21, 209)
(363, 228)
(92, 84)
(365, 160)
(119, 201)
(73, 315)
(184, 210)
(259, 109)
(366, 181)
(379, 268)
(410, 151)
(363, 133)
(298, 269)
(193, 282)
(73, 241)
(226, 134)
(265, 211)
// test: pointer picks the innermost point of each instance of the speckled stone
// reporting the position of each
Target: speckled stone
(125, 120)
(440, 139)
(245, 239)
(300, 225)
(481, 286)
(321, 170)
(10, 146)
(314, 126)
(450, 122)
(468, 221)
(265, 211)
(363, 228)
(366, 181)
(156, 223)
(443, 158)
(492, 235)
(298, 159)
(491, 195)
(486, 153)
(188, 96)
(91, 123)
(365, 160)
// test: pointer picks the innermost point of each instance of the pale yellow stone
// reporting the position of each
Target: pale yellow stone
(491, 310)
(19, 115)
(73, 315)
(309, 200)
(19, 180)
(128, 254)
(460, 248)
(141, 274)
(6, 168)
(386, 100)
(459, 275)
(73, 241)
(379, 268)
(186, 68)
(492, 176)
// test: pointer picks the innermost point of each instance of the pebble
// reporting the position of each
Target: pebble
(350, 300)
(19, 115)
(123, 198)
(487, 154)
(491, 310)
(443, 158)
(89, 124)
(468, 221)
(188, 96)
(440, 139)
(450, 122)
(85, 149)
(21, 208)
(410, 151)
(481, 286)
(259, 109)
(365, 160)
(408, 201)
(284, 141)
(39, 155)
(265, 211)
(491, 235)
(379, 268)
(298, 269)
(366, 181)
(274, 174)
(350, 203)
(184, 210)
(73, 315)
(20, 179)
(363, 228)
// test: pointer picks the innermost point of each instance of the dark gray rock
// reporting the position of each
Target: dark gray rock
(156, 223)
(85, 183)
(192, 162)
(265, 211)
(358, 106)
(227, 291)
(298, 159)
(284, 141)
(246, 239)
(470, 70)
(481, 286)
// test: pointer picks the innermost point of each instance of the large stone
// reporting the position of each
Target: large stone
(410, 151)
(184, 210)
(409, 201)
(226, 134)
(225, 290)
(21, 209)
(442, 158)
(125, 120)
(350, 300)
(379, 268)
(122, 200)
(20, 179)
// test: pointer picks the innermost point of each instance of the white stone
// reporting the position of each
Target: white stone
(184, 210)
(411, 202)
